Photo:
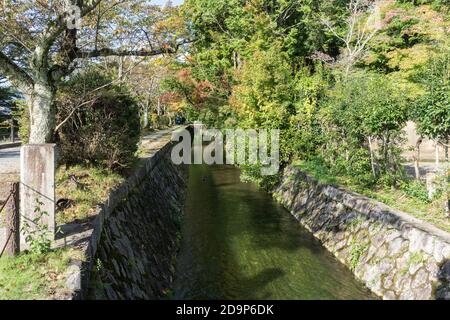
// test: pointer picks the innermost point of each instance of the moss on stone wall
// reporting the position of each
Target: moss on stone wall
(395, 255)
(140, 239)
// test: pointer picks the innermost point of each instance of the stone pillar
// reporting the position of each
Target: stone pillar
(37, 190)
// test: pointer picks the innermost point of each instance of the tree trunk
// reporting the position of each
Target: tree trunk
(158, 109)
(146, 116)
(120, 76)
(12, 247)
(417, 159)
(446, 191)
(437, 155)
(42, 115)
(372, 158)
(12, 134)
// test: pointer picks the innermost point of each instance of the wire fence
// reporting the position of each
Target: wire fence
(9, 209)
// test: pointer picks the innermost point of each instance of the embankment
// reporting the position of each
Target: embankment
(394, 254)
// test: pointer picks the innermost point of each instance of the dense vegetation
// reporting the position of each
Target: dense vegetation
(7, 110)
(99, 121)
(339, 78)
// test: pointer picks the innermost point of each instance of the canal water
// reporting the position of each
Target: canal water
(238, 243)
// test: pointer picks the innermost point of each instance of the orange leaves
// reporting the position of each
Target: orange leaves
(196, 92)
(203, 90)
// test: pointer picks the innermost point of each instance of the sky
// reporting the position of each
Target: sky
(163, 2)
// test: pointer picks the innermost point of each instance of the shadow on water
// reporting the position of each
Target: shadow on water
(238, 243)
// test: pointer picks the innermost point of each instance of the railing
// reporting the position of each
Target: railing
(11, 209)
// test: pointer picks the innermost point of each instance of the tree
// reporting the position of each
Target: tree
(7, 110)
(362, 23)
(104, 129)
(40, 45)
(363, 111)
(145, 82)
(432, 109)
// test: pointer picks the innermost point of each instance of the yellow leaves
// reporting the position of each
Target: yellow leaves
(409, 90)
(408, 58)
(431, 23)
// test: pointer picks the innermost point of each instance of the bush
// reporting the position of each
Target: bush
(101, 125)
(252, 173)
(416, 190)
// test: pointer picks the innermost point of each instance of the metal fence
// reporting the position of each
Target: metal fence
(9, 210)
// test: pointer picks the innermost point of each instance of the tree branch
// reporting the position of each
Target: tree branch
(121, 53)
(105, 52)
(14, 73)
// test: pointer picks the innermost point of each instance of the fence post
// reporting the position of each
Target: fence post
(37, 190)
(13, 221)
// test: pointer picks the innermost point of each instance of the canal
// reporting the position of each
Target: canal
(238, 243)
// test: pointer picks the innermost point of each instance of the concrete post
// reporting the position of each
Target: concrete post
(37, 189)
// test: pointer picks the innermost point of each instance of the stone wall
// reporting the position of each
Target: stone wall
(131, 248)
(140, 240)
(394, 254)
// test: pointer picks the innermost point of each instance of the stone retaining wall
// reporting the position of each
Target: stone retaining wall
(394, 254)
(131, 248)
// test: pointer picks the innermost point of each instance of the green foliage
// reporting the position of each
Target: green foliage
(8, 104)
(252, 173)
(99, 121)
(432, 109)
(35, 276)
(416, 189)
(7, 96)
(361, 110)
(38, 236)
(356, 252)
(23, 117)
(269, 64)
(318, 168)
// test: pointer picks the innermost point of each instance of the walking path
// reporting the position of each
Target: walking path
(10, 160)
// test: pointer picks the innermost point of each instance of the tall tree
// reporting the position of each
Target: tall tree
(41, 42)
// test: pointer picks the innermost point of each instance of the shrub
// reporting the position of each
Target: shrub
(417, 190)
(99, 126)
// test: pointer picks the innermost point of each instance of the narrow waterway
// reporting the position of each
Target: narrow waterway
(238, 243)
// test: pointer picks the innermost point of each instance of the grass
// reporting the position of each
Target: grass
(32, 276)
(408, 198)
(94, 185)
(35, 277)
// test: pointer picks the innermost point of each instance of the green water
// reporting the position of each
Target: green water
(238, 243)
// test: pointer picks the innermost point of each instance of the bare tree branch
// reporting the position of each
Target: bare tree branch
(105, 52)
(357, 35)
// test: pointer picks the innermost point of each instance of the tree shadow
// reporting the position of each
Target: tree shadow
(260, 281)
(443, 289)
(70, 229)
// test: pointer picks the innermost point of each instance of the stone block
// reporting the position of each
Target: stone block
(37, 188)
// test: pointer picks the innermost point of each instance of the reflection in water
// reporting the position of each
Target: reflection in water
(238, 243)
